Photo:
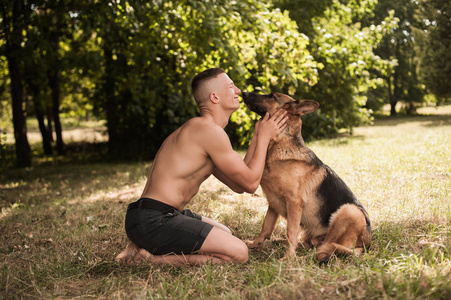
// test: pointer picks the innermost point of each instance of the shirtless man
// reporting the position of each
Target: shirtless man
(160, 229)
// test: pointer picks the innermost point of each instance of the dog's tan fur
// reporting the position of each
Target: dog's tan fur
(291, 183)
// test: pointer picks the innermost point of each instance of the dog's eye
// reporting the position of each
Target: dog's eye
(274, 96)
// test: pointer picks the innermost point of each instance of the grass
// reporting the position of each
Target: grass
(62, 225)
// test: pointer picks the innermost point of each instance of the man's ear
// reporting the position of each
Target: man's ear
(214, 98)
(301, 107)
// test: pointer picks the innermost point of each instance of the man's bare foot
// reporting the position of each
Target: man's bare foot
(142, 256)
(127, 256)
(134, 255)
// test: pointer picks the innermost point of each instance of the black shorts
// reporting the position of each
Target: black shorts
(161, 229)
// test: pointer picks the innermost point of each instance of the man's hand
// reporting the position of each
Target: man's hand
(270, 127)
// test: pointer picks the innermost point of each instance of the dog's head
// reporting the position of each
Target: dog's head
(261, 104)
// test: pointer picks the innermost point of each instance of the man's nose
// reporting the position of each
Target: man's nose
(238, 91)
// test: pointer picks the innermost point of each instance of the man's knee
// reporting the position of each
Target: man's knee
(241, 253)
(226, 246)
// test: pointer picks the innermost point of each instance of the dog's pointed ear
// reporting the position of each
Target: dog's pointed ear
(301, 107)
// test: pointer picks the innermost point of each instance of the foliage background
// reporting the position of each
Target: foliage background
(130, 63)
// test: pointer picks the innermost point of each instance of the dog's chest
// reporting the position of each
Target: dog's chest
(285, 163)
(287, 180)
(292, 178)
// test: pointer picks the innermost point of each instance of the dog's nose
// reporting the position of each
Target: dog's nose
(245, 94)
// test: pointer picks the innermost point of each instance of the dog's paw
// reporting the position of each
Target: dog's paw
(253, 244)
(322, 257)
(358, 251)
(324, 251)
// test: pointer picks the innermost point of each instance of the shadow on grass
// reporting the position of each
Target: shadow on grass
(65, 181)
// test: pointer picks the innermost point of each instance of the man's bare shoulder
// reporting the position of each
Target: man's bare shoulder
(203, 125)
(203, 131)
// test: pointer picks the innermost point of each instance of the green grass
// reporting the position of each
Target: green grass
(62, 225)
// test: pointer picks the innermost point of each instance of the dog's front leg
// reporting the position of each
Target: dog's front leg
(267, 229)
(294, 215)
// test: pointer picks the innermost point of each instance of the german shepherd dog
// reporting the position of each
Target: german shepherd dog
(305, 191)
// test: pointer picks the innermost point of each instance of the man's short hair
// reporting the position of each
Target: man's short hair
(200, 78)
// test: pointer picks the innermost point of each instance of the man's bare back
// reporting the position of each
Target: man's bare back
(182, 153)
(188, 157)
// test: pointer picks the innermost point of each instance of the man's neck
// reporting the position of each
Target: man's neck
(217, 118)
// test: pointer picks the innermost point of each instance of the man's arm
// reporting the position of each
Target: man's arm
(252, 145)
(229, 163)
(247, 158)
(221, 177)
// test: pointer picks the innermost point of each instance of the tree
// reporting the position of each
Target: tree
(53, 18)
(35, 78)
(403, 83)
(13, 24)
(342, 46)
(150, 52)
(434, 47)
(50, 28)
(133, 61)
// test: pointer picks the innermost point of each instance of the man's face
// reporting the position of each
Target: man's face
(227, 92)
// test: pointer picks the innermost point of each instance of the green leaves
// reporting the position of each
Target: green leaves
(433, 47)
(155, 50)
(132, 60)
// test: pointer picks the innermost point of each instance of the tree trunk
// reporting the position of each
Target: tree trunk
(46, 141)
(55, 93)
(391, 97)
(23, 151)
(49, 116)
(111, 106)
(393, 103)
(394, 94)
(52, 32)
(397, 84)
(35, 89)
(13, 54)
